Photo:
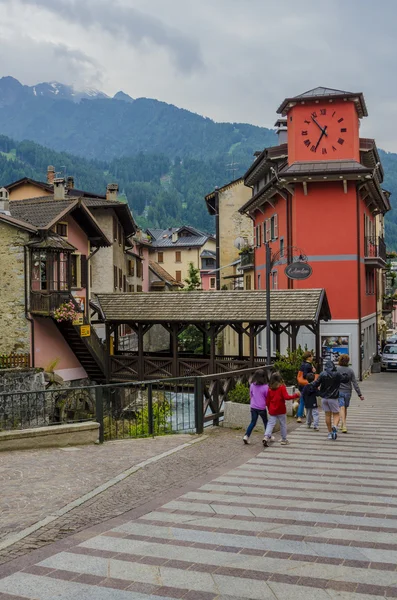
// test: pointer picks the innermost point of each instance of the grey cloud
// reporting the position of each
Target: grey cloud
(134, 25)
(31, 61)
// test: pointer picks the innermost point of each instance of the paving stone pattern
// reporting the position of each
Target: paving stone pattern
(35, 483)
(313, 520)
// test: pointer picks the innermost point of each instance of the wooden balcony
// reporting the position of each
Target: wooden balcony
(375, 251)
(44, 303)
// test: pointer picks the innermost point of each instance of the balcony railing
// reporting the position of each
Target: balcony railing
(44, 303)
(375, 250)
(247, 258)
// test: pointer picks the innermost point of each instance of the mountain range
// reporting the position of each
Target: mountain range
(164, 158)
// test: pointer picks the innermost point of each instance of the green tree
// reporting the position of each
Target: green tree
(193, 281)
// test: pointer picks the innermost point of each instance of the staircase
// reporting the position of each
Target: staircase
(88, 350)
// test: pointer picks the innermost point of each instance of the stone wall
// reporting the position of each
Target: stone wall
(21, 380)
(14, 328)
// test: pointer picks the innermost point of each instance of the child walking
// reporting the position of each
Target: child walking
(258, 394)
(277, 408)
(309, 395)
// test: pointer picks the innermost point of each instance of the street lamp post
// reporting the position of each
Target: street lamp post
(271, 260)
(269, 267)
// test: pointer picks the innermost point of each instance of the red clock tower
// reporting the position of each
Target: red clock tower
(320, 191)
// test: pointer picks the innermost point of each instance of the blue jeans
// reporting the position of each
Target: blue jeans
(301, 408)
(254, 418)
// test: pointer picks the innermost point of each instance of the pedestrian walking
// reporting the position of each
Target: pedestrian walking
(328, 384)
(305, 368)
(259, 390)
(277, 408)
(309, 394)
(346, 387)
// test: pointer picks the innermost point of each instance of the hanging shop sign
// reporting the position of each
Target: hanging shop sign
(298, 270)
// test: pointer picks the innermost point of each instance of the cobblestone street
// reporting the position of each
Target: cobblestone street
(317, 519)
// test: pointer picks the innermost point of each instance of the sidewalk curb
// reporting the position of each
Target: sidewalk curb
(95, 492)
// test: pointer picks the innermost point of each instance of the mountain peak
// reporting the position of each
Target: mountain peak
(123, 96)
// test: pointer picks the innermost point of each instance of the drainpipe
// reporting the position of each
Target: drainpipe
(360, 359)
(27, 317)
(218, 253)
(87, 291)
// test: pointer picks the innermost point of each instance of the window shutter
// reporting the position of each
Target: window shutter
(275, 226)
(84, 271)
(267, 222)
(115, 277)
(255, 230)
(259, 236)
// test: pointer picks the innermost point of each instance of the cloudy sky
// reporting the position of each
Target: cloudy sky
(231, 60)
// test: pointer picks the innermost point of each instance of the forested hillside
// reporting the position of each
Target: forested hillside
(162, 192)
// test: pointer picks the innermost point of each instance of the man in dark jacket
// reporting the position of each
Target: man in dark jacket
(306, 368)
(328, 385)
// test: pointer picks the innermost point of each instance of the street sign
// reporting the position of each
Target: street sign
(298, 270)
(85, 331)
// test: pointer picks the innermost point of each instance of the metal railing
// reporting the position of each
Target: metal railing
(247, 258)
(375, 247)
(44, 303)
(126, 410)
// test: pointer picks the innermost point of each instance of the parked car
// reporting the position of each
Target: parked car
(389, 357)
(392, 339)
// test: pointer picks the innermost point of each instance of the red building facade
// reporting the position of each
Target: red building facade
(319, 192)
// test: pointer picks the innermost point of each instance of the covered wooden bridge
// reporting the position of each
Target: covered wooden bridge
(210, 312)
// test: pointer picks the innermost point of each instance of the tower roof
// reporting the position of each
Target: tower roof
(321, 93)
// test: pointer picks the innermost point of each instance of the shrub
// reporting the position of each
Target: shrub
(240, 394)
(289, 364)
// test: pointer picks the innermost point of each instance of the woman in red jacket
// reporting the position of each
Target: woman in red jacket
(277, 409)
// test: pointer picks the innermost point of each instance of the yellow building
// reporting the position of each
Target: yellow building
(175, 248)
(235, 256)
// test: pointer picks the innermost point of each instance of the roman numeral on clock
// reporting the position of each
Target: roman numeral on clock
(333, 148)
(307, 143)
(314, 114)
(313, 149)
(323, 111)
(343, 130)
(304, 132)
(306, 121)
(324, 151)
(340, 120)
(341, 141)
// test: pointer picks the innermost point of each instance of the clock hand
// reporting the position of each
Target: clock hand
(323, 132)
(319, 126)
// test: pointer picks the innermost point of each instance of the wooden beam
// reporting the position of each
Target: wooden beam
(174, 349)
(252, 334)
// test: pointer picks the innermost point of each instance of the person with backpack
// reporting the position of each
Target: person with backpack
(305, 368)
(259, 390)
(277, 408)
(328, 385)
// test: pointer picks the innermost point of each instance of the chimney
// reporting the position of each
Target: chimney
(50, 175)
(282, 132)
(4, 202)
(70, 183)
(174, 237)
(111, 191)
(59, 188)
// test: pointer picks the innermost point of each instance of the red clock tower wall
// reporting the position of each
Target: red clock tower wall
(340, 124)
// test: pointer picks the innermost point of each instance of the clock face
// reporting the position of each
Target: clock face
(323, 132)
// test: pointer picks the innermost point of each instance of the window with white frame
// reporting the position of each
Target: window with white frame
(274, 280)
(259, 282)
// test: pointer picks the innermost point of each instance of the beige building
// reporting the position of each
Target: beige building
(175, 248)
(235, 256)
